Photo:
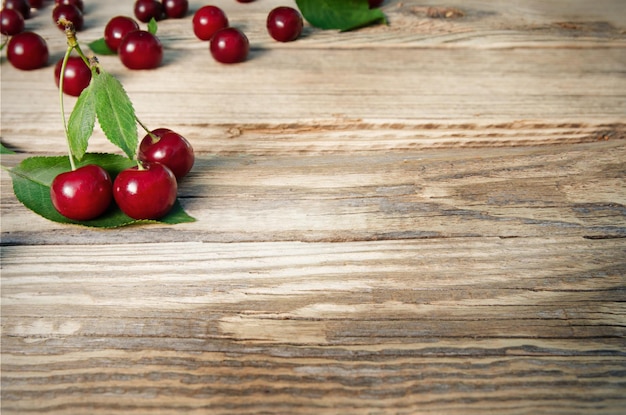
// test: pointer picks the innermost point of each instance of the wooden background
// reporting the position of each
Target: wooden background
(421, 217)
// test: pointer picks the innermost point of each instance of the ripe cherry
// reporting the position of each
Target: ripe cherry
(208, 20)
(116, 29)
(140, 50)
(70, 13)
(11, 22)
(229, 45)
(284, 24)
(245, 1)
(169, 148)
(375, 3)
(82, 194)
(147, 193)
(175, 9)
(27, 51)
(20, 6)
(77, 75)
(145, 10)
(78, 3)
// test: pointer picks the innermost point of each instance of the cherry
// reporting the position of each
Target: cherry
(70, 13)
(375, 3)
(176, 9)
(77, 75)
(141, 50)
(116, 29)
(145, 10)
(208, 20)
(27, 51)
(245, 1)
(11, 22)
(169, 148)
(284, 24)
(146, 193)
(229, 45)
(82, 194)
(78, 3)
(20, 6)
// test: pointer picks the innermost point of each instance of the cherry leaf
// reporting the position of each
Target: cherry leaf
(100, 47)
(33, 177)
(339, 14)
(115, 112)
(153, 26)
(4, 150)
(81, 122)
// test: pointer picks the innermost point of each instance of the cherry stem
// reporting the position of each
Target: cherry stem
(154, 137)
(72, 43)
(61, 80)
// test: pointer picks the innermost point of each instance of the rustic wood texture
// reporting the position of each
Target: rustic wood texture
(421, 217)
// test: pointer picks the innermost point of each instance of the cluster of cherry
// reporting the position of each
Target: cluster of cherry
(146, 191)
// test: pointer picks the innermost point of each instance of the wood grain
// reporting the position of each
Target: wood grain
(291, 326)
(356, 92)
(424, 217)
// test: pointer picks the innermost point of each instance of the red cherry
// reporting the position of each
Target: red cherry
(375, 3)
(284, 24)
(175, 9)
(27, 51)
(149, 193)
(20, 6)
(78, 3)
(208, 20)
(145, 10)
(229, 45)
(116, 29)
(77, 75)
(82, 194)
(141, 50)
(168, 148)
(70, 13)
(11, 22)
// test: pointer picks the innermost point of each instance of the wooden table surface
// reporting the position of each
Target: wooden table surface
(421, 217)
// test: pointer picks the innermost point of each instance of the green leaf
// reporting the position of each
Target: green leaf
(100, 47)
(339, 14)
(153, 26)
(4, 150)
(81, 122)
(33, 176)
(115, 112)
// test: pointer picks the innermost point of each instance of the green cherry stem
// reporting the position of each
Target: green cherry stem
(61, 80)
(146, 129)
(154, 137)
(72, 43)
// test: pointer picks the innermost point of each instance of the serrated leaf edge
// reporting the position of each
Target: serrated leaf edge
(131, 150)
(77, 116)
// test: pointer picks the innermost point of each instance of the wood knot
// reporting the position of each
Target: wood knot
(234, 132)
(444, 13)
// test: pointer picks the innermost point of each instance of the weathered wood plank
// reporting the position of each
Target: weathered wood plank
(315, 328)
(526, 191)
(455, 99)
(364, 96)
